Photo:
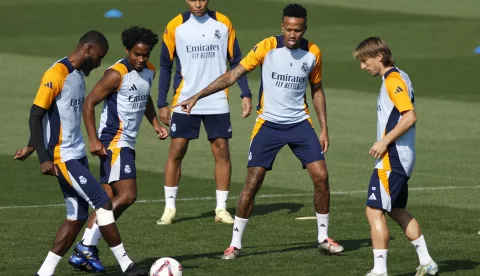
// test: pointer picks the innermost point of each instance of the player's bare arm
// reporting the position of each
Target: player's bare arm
(224, 81)
(109, 83)
(408, 120)
(320, 105)
(151, 116)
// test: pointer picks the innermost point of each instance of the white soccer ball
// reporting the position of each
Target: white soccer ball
(166, 267)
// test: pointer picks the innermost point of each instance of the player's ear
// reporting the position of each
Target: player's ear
(88, 48)
(127, 51)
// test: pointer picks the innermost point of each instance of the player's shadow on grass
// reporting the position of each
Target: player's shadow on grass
(352, 245)
(259, 210)
(145, 264)
(452, 266)
(245, 253)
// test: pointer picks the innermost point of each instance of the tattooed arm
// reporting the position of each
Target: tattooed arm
(320, 105)
(224, 81)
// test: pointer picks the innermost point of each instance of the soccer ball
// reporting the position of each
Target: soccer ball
(166, 267)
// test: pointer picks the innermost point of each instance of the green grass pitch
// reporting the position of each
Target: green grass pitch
(432, 40)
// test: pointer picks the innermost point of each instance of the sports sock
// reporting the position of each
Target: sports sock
(422, 251)
(49, 265)
(322, 223)
(380, 261)
(238, 228)
(170, 196)
(93, 236)
(122, 257)
(222, 197)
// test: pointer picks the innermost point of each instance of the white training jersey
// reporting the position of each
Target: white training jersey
(396, 96)
(123, 110)
(62, 93)
(202, 46)
(286, 74)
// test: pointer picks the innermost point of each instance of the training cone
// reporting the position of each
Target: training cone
(113, 13)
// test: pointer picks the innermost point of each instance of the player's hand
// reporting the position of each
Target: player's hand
(379, 149)
(246, 107)
(23, 153)
(48, 168)
(187, 104)
(162, 133)
(324, 141)
(97, 148)
(164, 114)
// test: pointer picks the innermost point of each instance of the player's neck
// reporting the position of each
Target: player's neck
(76, 60)
(385, 70)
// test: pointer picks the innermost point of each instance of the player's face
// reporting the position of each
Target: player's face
(95, 53)
(139, 55)
(372, 65)
(198, 7)
(293, 30)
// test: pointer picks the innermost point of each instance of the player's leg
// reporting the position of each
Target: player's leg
(85, 253)
(304, 143)
(183, 128)
(379, 201)
(77, 213)
(119, 171)
(219, 130)
(410, 225)
(265, 144)
(246, 200)
(87, 186)
(87, 250)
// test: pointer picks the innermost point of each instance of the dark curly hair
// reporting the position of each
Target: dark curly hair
(295, 10)
(134, 35)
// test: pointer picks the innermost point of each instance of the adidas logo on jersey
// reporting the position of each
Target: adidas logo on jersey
(372, 197)
(398, 90)
(49, 85)
(133, 88)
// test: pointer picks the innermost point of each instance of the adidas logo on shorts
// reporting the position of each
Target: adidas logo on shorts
(372, 197)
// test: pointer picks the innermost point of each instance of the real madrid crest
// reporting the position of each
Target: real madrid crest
(305, 67)
(217, 34)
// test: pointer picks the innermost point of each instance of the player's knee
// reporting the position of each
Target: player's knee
(374, 214)
(177, 152)
(104, 217)
(128, 200)
(220, 146)
(321, 179)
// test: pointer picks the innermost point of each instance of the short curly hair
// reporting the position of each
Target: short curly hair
(136, 34)
(295, 10)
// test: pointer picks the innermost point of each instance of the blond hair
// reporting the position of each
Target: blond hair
(371, 48)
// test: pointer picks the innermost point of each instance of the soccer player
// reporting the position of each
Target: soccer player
(395, 157)
(201, 41)
(289, 63)
(55, 119)
(125, 92)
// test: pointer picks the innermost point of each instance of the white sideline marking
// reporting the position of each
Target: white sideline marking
(259, 196)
